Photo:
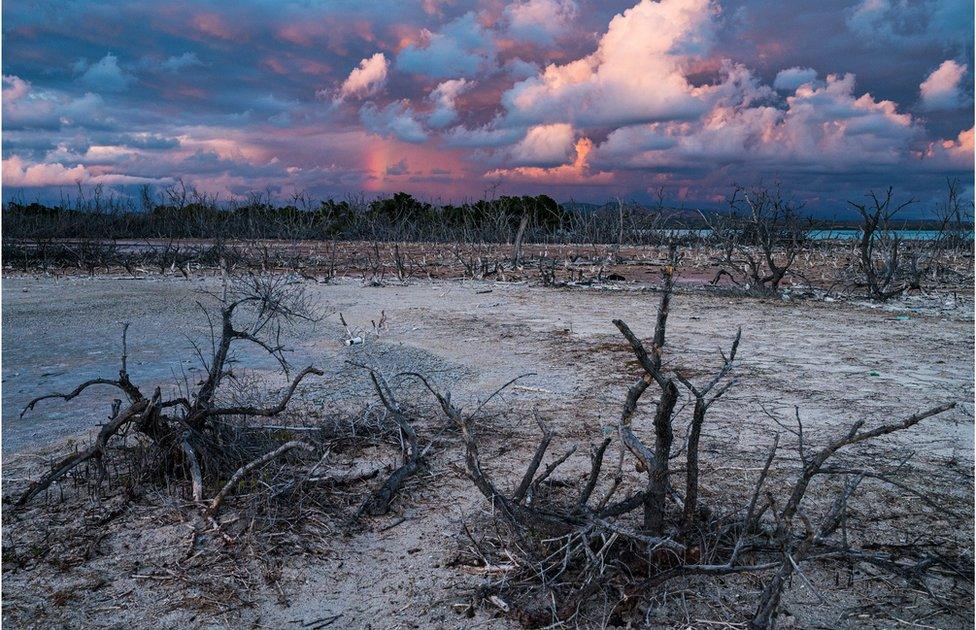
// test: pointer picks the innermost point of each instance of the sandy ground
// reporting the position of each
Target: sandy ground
(839, 361)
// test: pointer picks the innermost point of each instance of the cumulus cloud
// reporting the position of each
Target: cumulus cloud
(791, 78)
(444, 97)
(540, 21)
(942, 88)
(577, 172)
(952, 153)
(636, 74)
(462, 48)
(396, 119)
(17, 173)
(366, 79)
(821, 127)
(105, 75)
(25, 107)
(544, 145)
(14, 88)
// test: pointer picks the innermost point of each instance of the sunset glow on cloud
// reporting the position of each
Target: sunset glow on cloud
(446, 99)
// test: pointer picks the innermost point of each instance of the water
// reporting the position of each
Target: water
(905, 235)
(840, 234)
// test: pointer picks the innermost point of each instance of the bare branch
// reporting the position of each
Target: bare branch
(243, 470)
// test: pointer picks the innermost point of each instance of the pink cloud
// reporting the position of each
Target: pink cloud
(576, 173)
(444, 97)
(957, 152)
(365, 79)
(826, 125)
(635, 75)
(544, 145)
(540, 21)
(941, 89)
(14, 88)
(19, 174)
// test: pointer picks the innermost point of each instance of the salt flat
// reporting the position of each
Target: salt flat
(838, 361)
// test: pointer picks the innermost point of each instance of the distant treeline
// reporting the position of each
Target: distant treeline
(397, 218)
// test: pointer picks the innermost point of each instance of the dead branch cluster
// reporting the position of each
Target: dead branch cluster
(216, 435)
(568, 553)
(186, 431)
(887, 264)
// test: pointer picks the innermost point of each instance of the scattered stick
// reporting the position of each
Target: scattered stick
(244, 470)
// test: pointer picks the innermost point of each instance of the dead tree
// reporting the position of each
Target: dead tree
(954, 223)
(926, 257)
(705, 397)
(879, 247)
(187, 429)
(654, 463)
(760, 238)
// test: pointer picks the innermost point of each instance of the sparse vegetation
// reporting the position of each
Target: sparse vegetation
(761, 244)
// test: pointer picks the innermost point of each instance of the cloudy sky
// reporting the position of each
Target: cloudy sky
(449, 99)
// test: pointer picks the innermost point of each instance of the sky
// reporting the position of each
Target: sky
(452, 100)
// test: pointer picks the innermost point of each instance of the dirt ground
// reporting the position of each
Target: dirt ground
(838, 360)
